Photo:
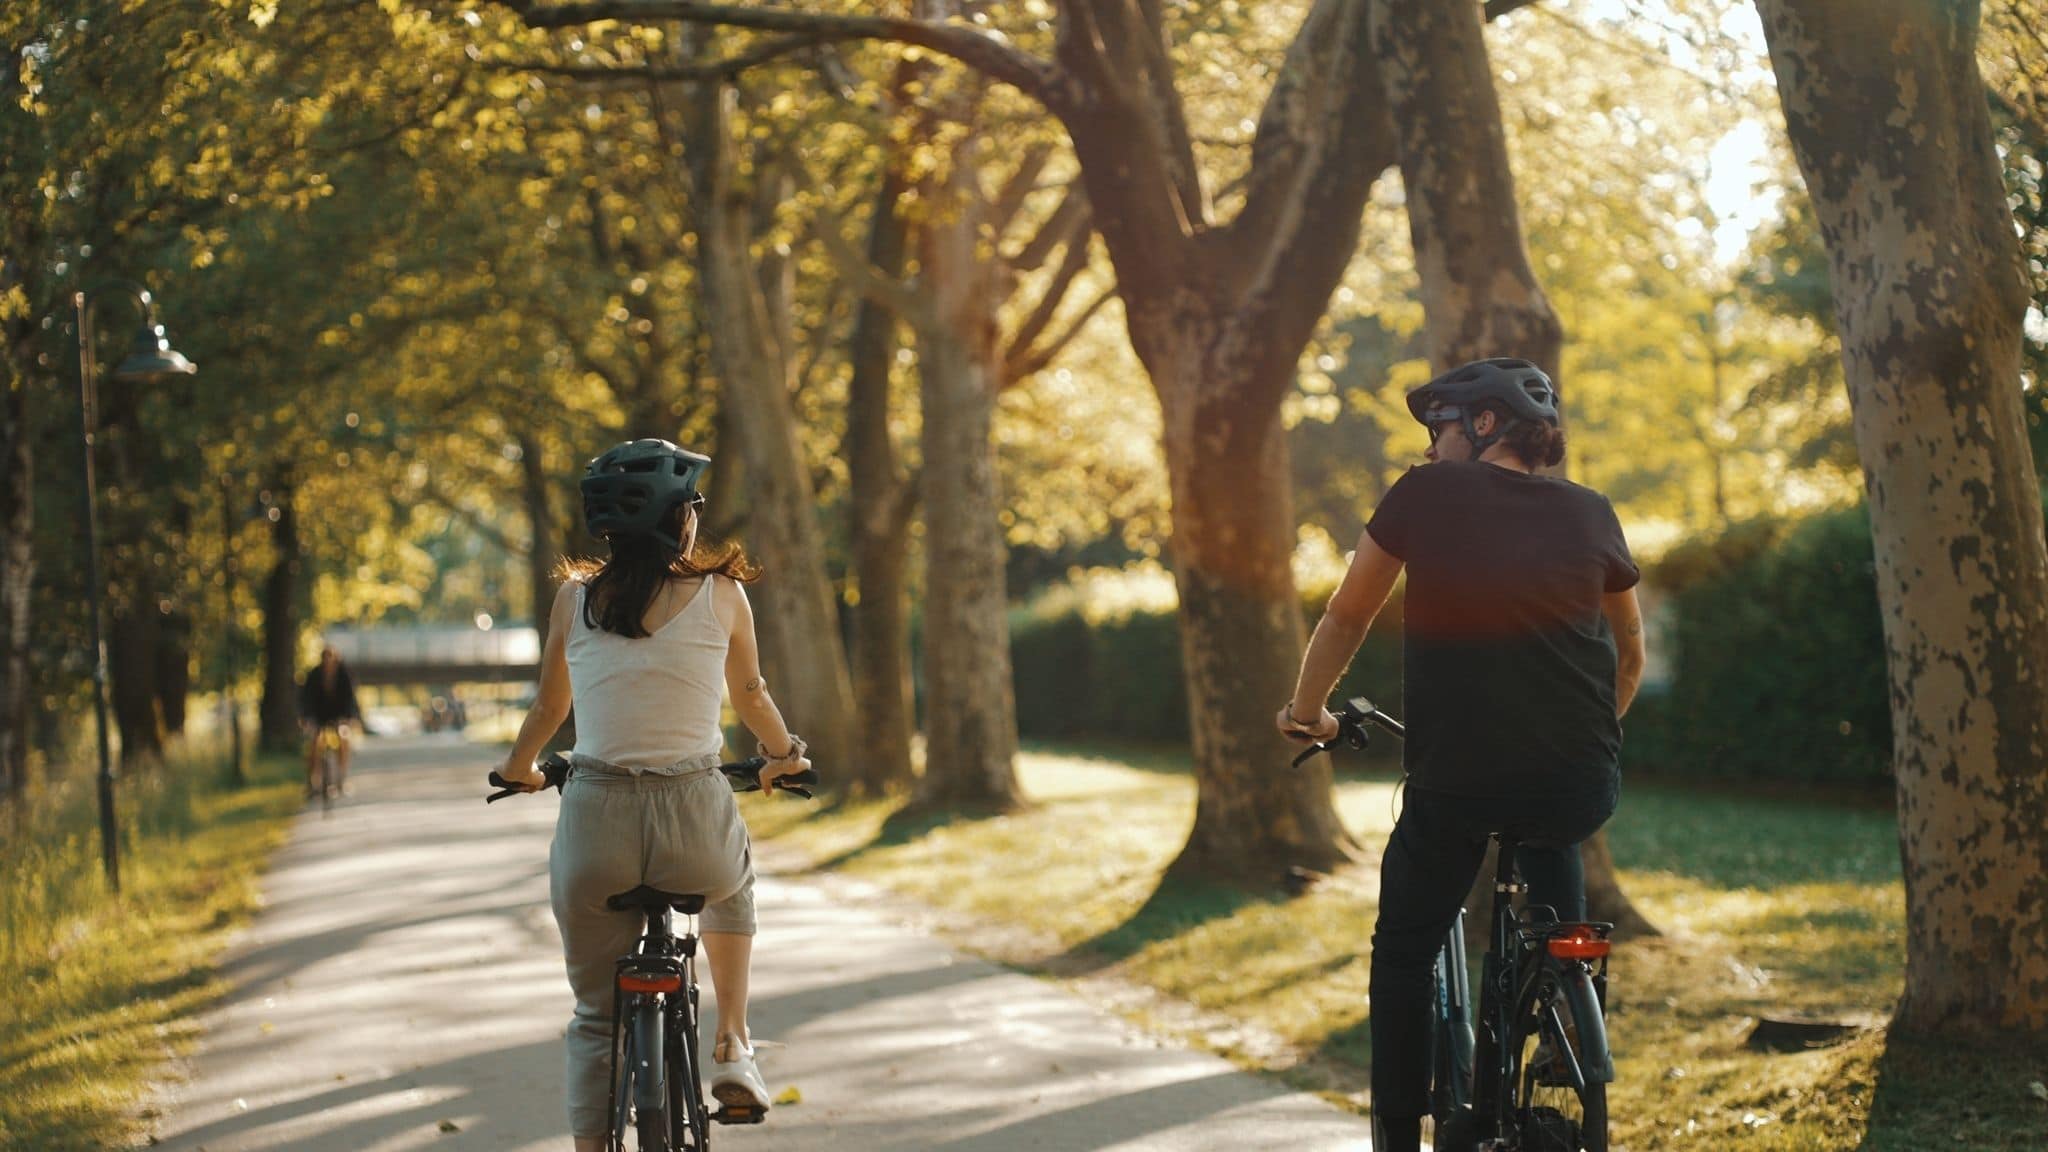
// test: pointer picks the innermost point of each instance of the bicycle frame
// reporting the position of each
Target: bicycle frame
(1514, 978)
(660, 973)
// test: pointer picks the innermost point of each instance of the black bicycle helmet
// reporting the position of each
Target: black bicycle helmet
(1517, 385)
(632, 489)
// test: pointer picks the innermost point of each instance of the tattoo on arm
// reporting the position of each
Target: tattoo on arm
(1635, 627)
(756, 684)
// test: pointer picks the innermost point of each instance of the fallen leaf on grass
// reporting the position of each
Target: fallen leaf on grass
(2038, 1090)
(450, 1126)
(790, 1095)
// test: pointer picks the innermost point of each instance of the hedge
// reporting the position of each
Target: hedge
(1778, 657)
(1772, 631)
(1121, 678)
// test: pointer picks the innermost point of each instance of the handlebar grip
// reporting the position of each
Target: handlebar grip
(744, 776)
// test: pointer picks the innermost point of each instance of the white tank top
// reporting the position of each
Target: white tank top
(648, 703)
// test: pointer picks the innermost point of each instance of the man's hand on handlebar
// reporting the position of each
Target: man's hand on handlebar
(1324, 728)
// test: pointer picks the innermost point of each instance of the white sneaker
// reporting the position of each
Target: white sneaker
(737, 1083)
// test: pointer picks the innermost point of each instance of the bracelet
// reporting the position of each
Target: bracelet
(1288, 708)
(797, 748)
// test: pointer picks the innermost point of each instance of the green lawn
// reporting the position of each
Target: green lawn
(1770, 906)
(100, 990)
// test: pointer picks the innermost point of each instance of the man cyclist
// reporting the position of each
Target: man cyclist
(1522, 649)
(327, 699)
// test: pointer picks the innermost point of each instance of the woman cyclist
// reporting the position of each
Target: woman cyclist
(1523, 645)
(638, 644)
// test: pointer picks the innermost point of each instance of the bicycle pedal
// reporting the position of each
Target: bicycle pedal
(739, 1114)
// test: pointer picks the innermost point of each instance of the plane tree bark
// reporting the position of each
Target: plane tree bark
(1888, 119)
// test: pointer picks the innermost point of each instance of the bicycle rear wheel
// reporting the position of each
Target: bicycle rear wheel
(328, 777)
(1554, 1110)
(648, 1074)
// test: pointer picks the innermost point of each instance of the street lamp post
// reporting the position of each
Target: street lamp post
(149, 358)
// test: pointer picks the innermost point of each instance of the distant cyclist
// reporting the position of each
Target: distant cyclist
(327, 701)
(1522, 648)
(641, 644)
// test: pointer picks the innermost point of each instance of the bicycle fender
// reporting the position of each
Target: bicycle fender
(1594, 1057)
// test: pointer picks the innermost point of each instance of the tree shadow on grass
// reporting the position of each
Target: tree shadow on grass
(1179, 904)
(910, 821)
(1938, 1092)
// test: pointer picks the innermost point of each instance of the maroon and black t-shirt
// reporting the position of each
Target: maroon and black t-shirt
(1508, 662)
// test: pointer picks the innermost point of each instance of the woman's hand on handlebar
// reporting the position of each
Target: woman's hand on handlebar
(1324, 728)
(524, 777)
(777, 769)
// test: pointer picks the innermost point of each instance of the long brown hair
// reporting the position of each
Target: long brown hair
(618, 591)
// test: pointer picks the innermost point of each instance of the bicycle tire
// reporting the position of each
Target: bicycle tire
(1551, 1117)
(327, 778)
(1451, 1068)
(648, 1071)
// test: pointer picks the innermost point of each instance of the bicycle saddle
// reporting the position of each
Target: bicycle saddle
(654, 899)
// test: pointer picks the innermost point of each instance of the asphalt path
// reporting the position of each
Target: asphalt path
(403, 989)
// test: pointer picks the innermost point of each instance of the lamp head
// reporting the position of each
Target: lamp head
(151, 358)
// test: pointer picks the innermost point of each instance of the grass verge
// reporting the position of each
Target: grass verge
(1778, 907)
(102, 989)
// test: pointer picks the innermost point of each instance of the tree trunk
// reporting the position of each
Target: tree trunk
(17, 579)
(173, 669)
(279, 712)
(1219, 317)
(970, 712)
(1887, 116)
(1241, 643)
(133, 637)
(879, 524)
(798, 621)
(1479, 293)
(535, 485)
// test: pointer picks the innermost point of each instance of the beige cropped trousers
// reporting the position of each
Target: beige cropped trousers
(678, 830)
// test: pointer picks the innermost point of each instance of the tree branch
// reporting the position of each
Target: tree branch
(854, 265)
(978, 50)
(1005, 204)
(1069, 222)
(1035, 361)
(763, 53)
(1495, 9)
(1040, 319)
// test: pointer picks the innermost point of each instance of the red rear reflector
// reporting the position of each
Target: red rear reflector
(650, 983)
(1578, 946)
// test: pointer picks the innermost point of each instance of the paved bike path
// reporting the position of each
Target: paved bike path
(403, 990)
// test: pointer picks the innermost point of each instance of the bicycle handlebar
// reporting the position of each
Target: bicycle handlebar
(743, 776)
(1351, 730)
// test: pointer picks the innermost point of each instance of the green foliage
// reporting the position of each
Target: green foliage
(1779, 658)
(100, 990)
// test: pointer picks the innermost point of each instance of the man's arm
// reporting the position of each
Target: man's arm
(1625, 617)
(1367, 583)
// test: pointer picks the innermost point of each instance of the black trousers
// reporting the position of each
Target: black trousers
(1431, 860)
